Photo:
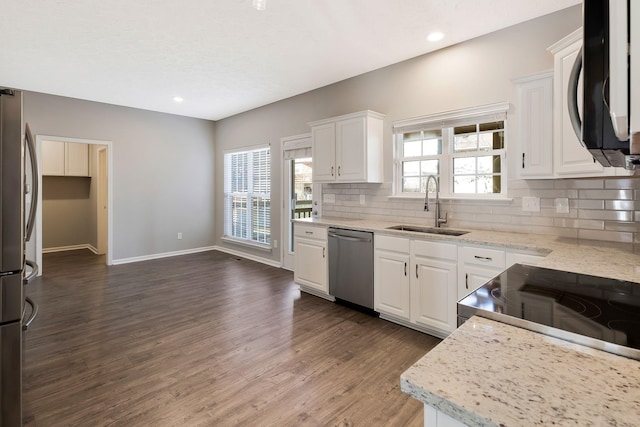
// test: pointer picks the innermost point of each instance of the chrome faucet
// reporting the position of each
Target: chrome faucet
(438, 220)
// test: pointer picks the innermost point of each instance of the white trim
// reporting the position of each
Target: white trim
(470, 113)
(110, 188)
(533, 77)
(162, 255)
(566, 41)
(70, 248)
(241, 254)
(295, 142)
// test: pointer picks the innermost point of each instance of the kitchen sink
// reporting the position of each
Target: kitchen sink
(428, 230)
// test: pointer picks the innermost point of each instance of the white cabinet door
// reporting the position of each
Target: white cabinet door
(391, 280)
(351, 150)
(434, 293)
(53, 158)
(571, 159)
(324, 152)
(535, 99)
(311, 263)
(76, 159)
(472, 277)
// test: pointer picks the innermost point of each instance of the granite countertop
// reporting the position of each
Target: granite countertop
(597, 258)
(487, 373)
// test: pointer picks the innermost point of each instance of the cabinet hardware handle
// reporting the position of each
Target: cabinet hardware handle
(483, 258)
(416, 271)
(308, 232)
(323, 249)
(339, 170)
(405, 268)
(331, 170)
(522, 160)
(466, 280)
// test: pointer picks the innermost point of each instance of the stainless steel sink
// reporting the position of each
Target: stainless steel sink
(428, 230)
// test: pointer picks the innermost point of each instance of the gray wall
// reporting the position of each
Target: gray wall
(473, 73)
(66, 211)
(162, 170)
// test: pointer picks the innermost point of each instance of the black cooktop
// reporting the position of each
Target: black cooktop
(606, 312)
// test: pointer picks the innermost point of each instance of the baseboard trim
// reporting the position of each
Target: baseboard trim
(70, 248)
(162, 255)
(241, 254)
(425, 330)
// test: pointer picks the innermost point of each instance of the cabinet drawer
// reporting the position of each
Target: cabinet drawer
(482, 256)
(398, 244)
(309, 231)
(435, 250)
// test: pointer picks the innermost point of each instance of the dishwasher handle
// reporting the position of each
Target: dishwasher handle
(349, 238)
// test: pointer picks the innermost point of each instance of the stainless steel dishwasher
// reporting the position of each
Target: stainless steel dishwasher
(351, 266)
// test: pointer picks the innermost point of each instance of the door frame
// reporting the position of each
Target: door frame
(38, 230)
(289, 143)
(102, 185)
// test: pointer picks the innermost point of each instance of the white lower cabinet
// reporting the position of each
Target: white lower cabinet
(391, 281)
(415, 282)
(435, 418)
(477, 265)
(310, 264)
(433, 285)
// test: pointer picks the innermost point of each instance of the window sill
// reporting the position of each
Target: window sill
(420, 196)
(259, 246)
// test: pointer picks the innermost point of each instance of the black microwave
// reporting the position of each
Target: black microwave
(606, 61)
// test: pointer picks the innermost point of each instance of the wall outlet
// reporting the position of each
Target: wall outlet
(562, 205)
(179, 236)
(531, 204)
(275, 244)
(329, 198)
(362, 199)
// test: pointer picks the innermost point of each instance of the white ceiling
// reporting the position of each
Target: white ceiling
(223, 56)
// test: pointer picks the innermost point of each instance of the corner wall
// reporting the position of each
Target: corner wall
(163, 170)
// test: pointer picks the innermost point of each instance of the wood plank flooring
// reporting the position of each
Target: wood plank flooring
(206, 340)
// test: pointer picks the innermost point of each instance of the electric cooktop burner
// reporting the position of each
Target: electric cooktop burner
(596, 311)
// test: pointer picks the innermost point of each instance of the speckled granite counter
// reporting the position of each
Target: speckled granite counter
(597, 258)
(487, 373)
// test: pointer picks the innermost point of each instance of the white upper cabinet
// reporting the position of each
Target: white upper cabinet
(348, 148)
(61, 158)
(571, 159)
(535, 100)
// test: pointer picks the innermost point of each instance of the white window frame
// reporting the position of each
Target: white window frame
(446, 122)
(250, 196)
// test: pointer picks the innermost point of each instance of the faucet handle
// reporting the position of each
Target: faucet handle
(443, 220)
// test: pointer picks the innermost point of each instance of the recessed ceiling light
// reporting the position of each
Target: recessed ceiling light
(178, 99)
(435, 36)
(259, 4)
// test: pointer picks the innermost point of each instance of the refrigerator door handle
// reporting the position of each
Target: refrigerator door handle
(34, 271)
(31, 145)
(34, 313)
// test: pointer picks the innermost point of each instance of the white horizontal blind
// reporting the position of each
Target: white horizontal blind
(247, 195)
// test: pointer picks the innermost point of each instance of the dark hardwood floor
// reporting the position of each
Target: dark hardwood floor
(206, 340)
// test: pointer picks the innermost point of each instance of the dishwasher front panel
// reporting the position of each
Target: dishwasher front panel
(351, 266)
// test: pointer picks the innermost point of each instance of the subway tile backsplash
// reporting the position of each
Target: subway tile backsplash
(606, 209)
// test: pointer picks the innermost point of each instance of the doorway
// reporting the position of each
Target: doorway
(297, 190)
(100, 166)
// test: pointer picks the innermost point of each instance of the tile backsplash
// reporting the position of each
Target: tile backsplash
(604, 209)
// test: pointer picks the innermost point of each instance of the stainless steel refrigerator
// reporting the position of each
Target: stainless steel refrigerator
(15, 231)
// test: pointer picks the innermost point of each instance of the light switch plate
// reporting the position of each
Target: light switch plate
(329, 198)
(531, 204)
(362, 199)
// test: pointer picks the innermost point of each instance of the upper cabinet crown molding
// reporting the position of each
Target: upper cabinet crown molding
(348, 148)
(566, 41)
